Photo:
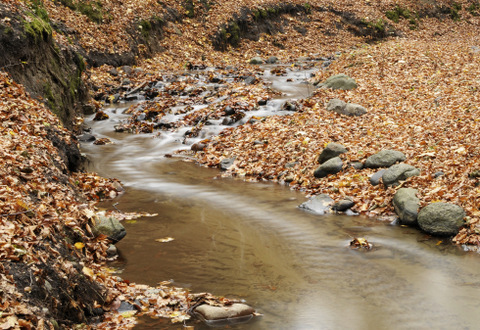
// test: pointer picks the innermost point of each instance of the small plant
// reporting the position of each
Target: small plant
(308, 7)
(189, 8)
(145, 28)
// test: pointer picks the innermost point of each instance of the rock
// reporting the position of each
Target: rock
(441, 219)
(110, 227)
(357, 165)
(331, 150)
(126, 81)
(331, 166)
(438, 174)
(127, 69)
(272, 60)
(291, 164)
(226, 163)
(199, 146)
(384, 158)
(398, 172)
(256, 60)
(353, 109)
(210, 313)
(375, 178)
(250, 80)
(112, 251)
(228, 111)
(343, 205)
(262, 102)
(86, 137)
(319, 204)
(336, 105)
(113, 72)
(289, 106)
(340, 81)
(406, 205)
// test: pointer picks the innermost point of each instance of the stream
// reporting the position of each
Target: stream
(250, 241)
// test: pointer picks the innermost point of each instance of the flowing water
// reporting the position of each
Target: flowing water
(250, 241)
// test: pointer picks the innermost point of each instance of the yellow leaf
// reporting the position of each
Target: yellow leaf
(87, 271)
(79, 245)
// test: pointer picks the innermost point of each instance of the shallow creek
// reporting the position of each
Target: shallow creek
(250, 241)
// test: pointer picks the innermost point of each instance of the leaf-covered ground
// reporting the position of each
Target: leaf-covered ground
(417, 66)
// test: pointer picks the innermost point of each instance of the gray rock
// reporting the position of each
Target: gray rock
(291, 164)
(113, 72)
(441, 219)
(86, 137)
(332, 150)
(375, 178)
(319, 204)
(384, 158)
(398, 172)
(343, 205)
(249, 80)
(127, 69)
(340, 81)
(226, 163)
(112, 251)
(353, 109)
(357, 165)
(331, 166)
(256, 60)
(216, 313)
(272, 60)
(406, 205)
(438, 174)
(110, 227)
(336, 105)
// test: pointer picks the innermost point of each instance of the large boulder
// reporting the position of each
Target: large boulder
(331, 150)
(319, 204)
(406, 205)
(331, 166)
(384, 158)
(340, 81)
(398, 172)
(110, 227)
(441, 219)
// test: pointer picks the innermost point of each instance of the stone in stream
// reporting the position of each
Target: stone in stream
(384, 158)
(226, 163)
(320, 204)
(110, 227)
(224, 315)
(331, 166)
(406, 205)
(336, 105)
(256, 60)
(340, 81)
(250, 80)
(272, 60)
(332, 150)
(343, 205)
(441, 219)
(398, 172)
(86, 137)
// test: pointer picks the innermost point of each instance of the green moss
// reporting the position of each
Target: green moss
(455, 11)
(377, 25)
(308, 7)
(37, 28)
(234, 34)
(473, 9)
(92, 9)
(271, 11)
(50, 98)
(398, 12)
